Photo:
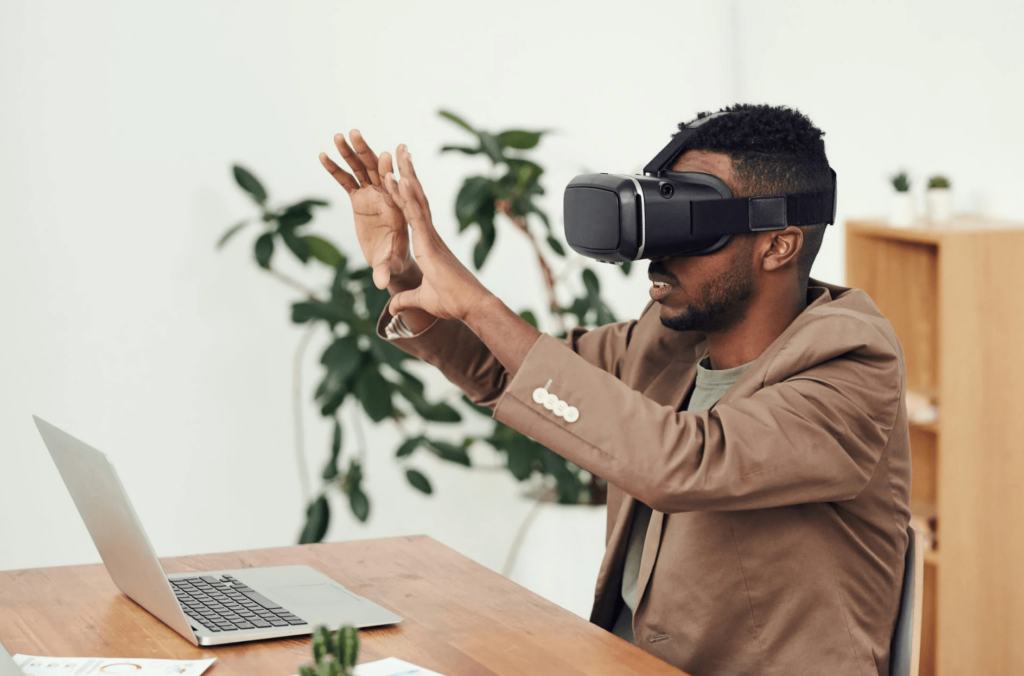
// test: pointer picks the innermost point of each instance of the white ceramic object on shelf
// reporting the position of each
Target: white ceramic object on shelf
(902, 210)
(940, 205)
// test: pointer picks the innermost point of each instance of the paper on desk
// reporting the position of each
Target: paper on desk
(33, 665)
(391, 666)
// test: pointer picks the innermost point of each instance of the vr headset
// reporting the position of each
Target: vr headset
(621, 217)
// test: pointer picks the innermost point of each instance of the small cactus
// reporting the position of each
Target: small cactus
(901, 182)
(333, 655)
(938, 182)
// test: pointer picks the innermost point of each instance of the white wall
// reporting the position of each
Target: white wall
(120, 120)
(122, 325)
(933, 87)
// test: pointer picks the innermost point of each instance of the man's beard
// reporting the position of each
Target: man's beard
(721, 302)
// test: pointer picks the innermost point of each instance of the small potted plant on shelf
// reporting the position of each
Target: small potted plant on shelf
(903, 202)
(940, 200)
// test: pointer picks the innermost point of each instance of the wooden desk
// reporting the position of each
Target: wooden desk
(460, 618)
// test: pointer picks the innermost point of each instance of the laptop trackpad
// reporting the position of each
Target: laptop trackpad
(314, 597)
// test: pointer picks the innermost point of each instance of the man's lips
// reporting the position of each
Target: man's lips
(662, 286)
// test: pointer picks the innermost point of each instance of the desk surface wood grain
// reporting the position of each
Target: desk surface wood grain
(460, 618)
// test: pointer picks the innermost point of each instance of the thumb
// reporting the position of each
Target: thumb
(404, 300)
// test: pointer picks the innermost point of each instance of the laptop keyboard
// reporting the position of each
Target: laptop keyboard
(228, 605)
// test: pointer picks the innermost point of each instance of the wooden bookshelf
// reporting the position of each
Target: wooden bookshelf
(955, 296)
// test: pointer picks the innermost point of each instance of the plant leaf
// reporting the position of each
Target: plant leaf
(591, 282)
(457, 120)
(306, 670)
(530, 318)
(247, 182)
(318, 517)
(359, 503)
(484, 244)
(333, 313)
(626, 267)
(323, 251)
(408, 446)
(482, 410)
(264, 249)
(490, 145)
(322, 644)
(230, 233)
(374, 393)
(521, 140)
(475, 191)
(462, 149)
(449, 452)
(297, 244)
(418, 481)
(331, 469)
(556, 246)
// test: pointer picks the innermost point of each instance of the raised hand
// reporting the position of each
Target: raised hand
(448, 289)
(380, 224)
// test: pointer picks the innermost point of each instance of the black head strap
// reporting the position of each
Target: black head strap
(770, 212)
(745, 214)
(669, 154)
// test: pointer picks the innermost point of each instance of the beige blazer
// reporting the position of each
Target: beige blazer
(779, 531)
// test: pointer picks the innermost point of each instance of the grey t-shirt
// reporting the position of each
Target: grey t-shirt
(708, 389)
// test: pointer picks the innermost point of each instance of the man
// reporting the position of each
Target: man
(751, 423)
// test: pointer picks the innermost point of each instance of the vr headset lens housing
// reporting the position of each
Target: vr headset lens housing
(621, 217)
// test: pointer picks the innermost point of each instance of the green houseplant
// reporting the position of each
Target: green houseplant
(333, 654)
(902, 201)
(360, 367)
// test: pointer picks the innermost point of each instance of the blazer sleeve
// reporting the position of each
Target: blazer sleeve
(816, 435)
(468, 363)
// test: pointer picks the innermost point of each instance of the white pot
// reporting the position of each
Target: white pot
(940, 205)
(902, 210)
(561, 555)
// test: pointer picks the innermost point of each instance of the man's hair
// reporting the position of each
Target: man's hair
(774, 150)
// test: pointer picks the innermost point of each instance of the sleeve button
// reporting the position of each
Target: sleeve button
(539, 395)
(560, 408)
(550, 401)
(571, 415)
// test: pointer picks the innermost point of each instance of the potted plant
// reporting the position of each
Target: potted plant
(372, 375)
(940, 200)
(903, 202)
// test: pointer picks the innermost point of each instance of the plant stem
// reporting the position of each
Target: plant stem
(524, 527)
(549, 277)
(300, 445)
(357, 423)
(295, 284)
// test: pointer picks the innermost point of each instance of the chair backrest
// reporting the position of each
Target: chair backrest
(905, 651)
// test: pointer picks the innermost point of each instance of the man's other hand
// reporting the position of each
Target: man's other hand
(380, 224)
(448, 289)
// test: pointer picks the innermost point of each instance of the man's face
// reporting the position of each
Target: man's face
(705, 293)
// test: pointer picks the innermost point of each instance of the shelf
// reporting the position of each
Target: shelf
(931, 557)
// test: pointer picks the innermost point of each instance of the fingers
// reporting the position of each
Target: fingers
(384, 167)
(381, 261)
(340, 175)
(404, 300)
(366, 156)
(352, 159)
(407, 170)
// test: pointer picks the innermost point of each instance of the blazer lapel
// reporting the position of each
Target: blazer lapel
(670, 388)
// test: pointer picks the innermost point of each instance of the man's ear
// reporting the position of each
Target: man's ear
(781, 247)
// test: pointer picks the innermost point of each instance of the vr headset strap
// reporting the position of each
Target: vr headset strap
(755, 214)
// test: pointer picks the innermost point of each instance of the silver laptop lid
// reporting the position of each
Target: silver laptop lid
(115, 528)
(8, 667)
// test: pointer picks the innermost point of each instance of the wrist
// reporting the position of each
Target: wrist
(486, 308)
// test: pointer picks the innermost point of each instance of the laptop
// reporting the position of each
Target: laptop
(207, 608)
